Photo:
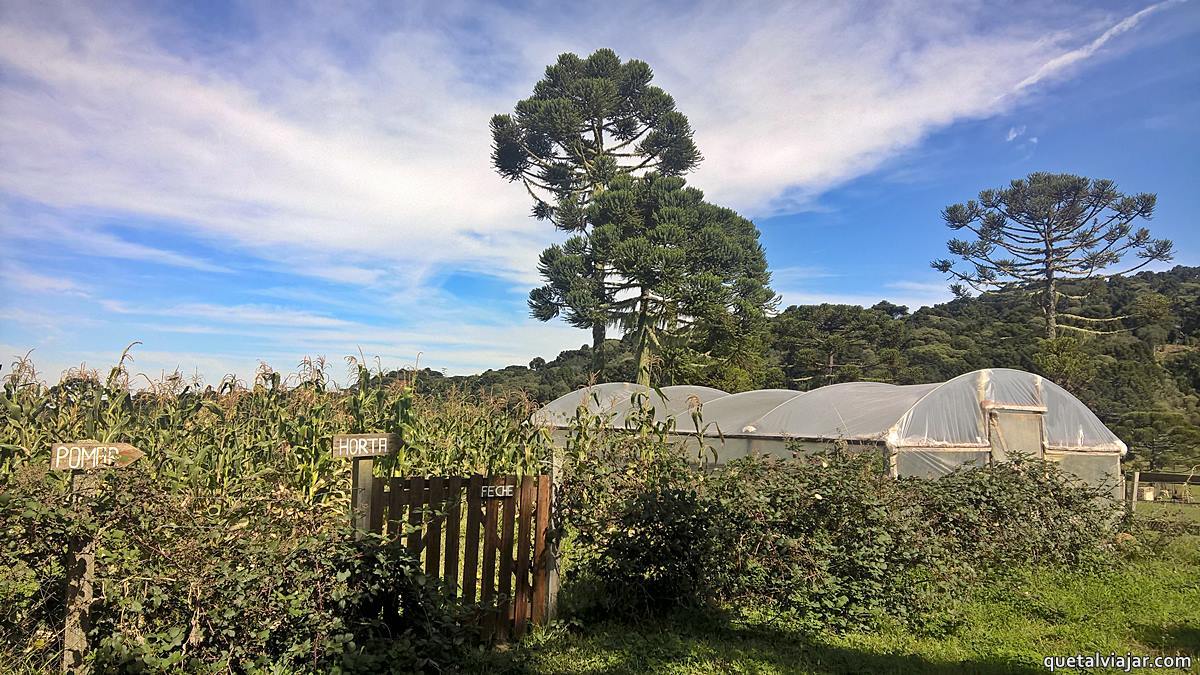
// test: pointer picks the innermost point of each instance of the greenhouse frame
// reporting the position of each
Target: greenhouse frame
(924, 430)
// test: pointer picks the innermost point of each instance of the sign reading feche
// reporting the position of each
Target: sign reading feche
(496, 491)
(364, 445)
(91, 455)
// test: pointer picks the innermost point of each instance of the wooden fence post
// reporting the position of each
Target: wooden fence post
(1134, 497)
(366, 498)
(81, 573)
(83, 459)
(553, 537)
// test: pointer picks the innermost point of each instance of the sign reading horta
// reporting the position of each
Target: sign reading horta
(91, 455)
(364, 445)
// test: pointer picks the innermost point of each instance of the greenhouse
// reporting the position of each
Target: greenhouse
(922, 429)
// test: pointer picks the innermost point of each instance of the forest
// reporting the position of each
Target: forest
(1142, 378)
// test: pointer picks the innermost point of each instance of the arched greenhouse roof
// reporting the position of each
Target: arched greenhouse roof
(614, 400)
(950, 414)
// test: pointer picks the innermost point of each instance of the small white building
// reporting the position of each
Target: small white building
(923, 430)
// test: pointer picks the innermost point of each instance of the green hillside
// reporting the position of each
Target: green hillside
(1141, 374)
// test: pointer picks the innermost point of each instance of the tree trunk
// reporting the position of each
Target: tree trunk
(643, 344)
(1049, 306)
(1050, 295)
(600, 328)
(598, 334)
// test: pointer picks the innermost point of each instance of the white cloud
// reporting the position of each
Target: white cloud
(288, 144)
(1065, 61)
(87, 240)
(21, 278)
(454, 338)
(353, 146)
(255, 315)
(390, 163)
(801, 98)
(788, 276)
(1014, 133)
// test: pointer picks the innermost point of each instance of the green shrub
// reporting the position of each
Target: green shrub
(827, 538)
(1021, 511)
(257, 580)
(634, 518)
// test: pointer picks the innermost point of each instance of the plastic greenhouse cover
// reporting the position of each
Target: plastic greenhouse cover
(852, 411)
(931, 463)
(616, 399)
(734, 413)
(953, 413)
(940, 415)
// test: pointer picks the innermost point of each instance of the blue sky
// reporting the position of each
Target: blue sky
(235, 183)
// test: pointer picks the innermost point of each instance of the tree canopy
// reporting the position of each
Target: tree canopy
(688, 278)
(589, 121)
(1045, 229)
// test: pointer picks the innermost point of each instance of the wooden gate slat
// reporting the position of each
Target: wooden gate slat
(471, 555)
(433, 539)
(416, 500)
(509, 529)
(541, 561)
(377, 497)
(453, 509)
(508, 513)
(524, 521)
(491, 543)
(396, 499)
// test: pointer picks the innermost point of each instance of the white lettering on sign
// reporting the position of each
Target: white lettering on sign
(75, 457)
(496, 491)
(364, 445)
(352, 447)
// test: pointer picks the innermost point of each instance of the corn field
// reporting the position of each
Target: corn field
(275, 428)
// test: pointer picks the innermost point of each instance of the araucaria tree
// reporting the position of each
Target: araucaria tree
(684, 276)
(1046, 229)
(588, 122)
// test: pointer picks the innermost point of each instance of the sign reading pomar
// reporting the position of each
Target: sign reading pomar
(364, 445)
(91, 455)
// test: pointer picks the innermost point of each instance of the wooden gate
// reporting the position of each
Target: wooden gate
(485, 538)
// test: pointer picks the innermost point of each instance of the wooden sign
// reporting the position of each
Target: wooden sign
(91, 455)
(364, 445)
(496, 491)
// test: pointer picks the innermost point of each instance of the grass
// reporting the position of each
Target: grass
(1172, 509)
(1149, 606)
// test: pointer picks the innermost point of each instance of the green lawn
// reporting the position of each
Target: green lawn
(1171, 509)
(1148, 607)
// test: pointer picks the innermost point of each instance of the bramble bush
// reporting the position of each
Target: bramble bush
(1021, 511)
(256, 580)
(827, 539)
(634, 526)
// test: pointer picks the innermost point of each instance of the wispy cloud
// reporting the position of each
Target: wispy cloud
(352, 146)
(290, 144)
(88, 240)
(1014, 133)
(257, 315)
(1065, 61)
(18, 277)
(789, 276)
